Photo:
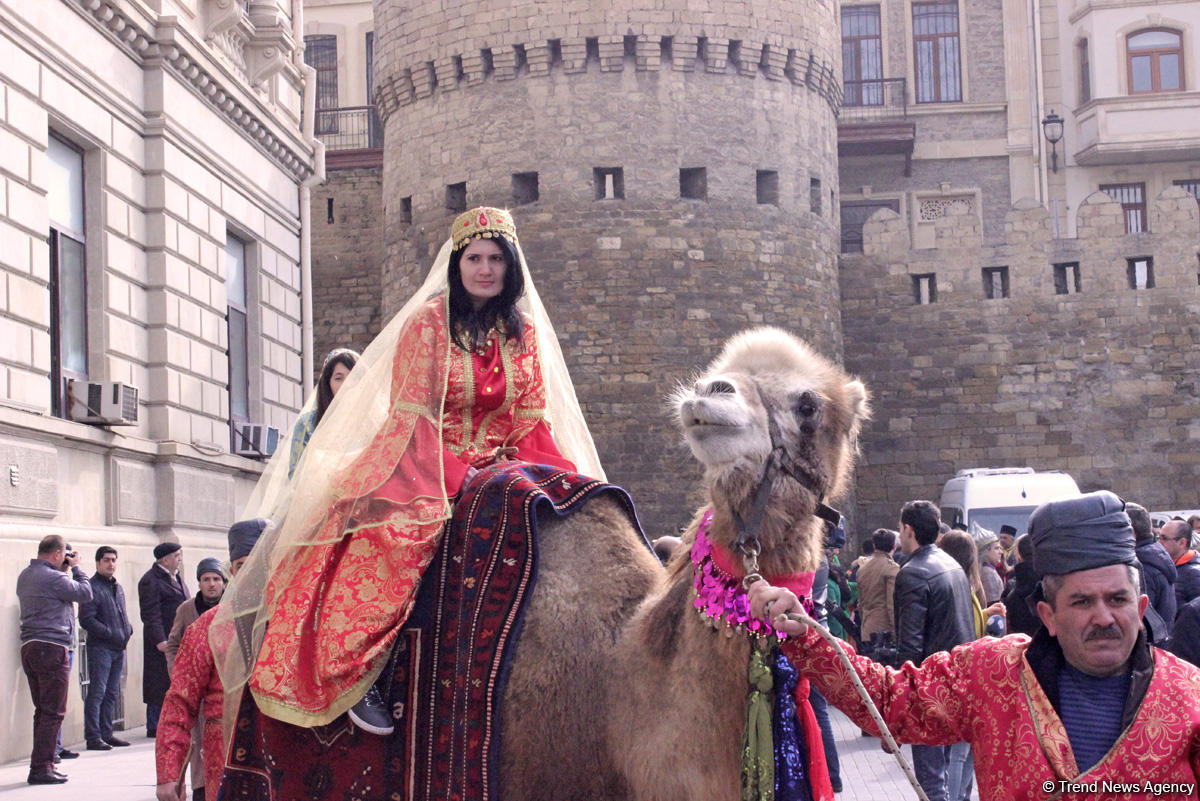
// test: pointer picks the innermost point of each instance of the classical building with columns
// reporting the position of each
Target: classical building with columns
(154, 171)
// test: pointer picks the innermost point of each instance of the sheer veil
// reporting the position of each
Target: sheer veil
(358, 412)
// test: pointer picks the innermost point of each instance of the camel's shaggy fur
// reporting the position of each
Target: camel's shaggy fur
(618, 690)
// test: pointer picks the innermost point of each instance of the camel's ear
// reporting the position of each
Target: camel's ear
(859, 404)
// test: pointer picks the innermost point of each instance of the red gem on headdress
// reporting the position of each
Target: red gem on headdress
(483, 220)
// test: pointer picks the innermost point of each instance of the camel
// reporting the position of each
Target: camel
(618, 689)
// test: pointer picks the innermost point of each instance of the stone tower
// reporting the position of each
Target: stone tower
(671, 169)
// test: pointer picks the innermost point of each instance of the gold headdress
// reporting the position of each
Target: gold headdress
(484, 222)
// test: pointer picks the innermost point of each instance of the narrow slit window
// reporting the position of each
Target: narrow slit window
(609, 182)
(693, 183)
(995, 283)
(1066, 278)
(524, 187)
(1141, 272)
(406, 210)
(814, 195)
(924, 289)
(767, 187)
(456, 197)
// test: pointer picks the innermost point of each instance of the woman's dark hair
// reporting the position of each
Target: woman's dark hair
(962, 548)
(348, 358)
(470, 326)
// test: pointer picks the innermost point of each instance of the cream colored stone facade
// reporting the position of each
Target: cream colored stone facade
(186, 118)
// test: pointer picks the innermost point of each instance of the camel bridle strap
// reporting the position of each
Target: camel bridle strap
(778, 460)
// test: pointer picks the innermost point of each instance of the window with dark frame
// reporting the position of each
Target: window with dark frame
(68, 271)
(1141, 272)
(937, 62)
(609, 182)
(814, 196)
(1085, 72)
(693, 183)
(924, 289)
(1154, 59)
(1132, 198)
(995, 283)
(239, 341)
(320, 53)
(1066, 278)
(862, 56)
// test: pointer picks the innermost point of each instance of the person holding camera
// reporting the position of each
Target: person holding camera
(47, 591)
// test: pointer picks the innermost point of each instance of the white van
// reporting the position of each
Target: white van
(989, 497)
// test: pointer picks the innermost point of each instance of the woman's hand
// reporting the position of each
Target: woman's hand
(996, 609)
(772, 605)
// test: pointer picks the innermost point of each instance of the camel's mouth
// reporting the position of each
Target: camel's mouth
(703, 416)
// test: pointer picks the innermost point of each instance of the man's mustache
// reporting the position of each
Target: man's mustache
(1106, 633)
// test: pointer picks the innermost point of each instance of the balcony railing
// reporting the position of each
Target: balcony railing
(349, 128)
(875, 100)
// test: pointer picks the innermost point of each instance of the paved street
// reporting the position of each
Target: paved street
(127, 774)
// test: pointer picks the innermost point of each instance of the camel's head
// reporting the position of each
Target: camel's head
(766, 375)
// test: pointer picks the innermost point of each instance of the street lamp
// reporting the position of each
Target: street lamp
(1052, 129)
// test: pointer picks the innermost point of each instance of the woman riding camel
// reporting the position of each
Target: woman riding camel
(467, 373)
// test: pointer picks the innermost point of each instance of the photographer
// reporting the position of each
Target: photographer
(47, 595)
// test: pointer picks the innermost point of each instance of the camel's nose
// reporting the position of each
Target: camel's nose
(716, 386)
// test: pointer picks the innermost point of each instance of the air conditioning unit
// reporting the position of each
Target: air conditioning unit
(109, 403)
(255, 439)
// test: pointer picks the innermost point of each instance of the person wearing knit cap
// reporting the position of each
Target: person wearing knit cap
(210, 575)
(1086, 708)
(195, 701)
(160, 592)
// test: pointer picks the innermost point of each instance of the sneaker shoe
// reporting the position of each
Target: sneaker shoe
(371, 713)
(51, 777)
(115, 742)
(65, 754)
(98, 745)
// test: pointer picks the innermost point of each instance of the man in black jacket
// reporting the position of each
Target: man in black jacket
(1176, 538)
(106, 621)
(933, 613)
(160, 592)
(1158, 574)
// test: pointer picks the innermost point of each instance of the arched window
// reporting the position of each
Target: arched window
(1155, 60)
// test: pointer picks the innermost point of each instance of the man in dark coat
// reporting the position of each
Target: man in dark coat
(160, 592)
(1158, 573)
(933, 613)
(106, 620)
(1176, 538)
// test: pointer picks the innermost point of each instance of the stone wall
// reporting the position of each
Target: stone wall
(1101, 383)
(642, 288)
(347, 259)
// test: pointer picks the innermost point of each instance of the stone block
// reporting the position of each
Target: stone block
(35, 468)
(133, 493)
(26, 116)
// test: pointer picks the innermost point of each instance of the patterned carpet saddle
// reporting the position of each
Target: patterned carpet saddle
(451, 662)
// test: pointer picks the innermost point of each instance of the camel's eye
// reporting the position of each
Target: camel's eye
(807, 405)
(719, 387)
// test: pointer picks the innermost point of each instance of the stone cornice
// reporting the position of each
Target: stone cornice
(144, 42)
(797, 66)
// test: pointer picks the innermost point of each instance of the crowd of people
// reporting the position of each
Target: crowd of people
(469, 373)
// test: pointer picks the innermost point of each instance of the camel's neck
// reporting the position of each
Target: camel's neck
(787, 546)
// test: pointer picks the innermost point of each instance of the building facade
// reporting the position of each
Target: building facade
(1024, 292)
(151, 258)
(676, 175)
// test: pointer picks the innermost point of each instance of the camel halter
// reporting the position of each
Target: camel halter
(748, 546)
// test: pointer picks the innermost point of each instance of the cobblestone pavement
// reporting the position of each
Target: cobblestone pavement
(127, 774)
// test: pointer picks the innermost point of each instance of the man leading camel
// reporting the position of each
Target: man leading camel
(1094, 710)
